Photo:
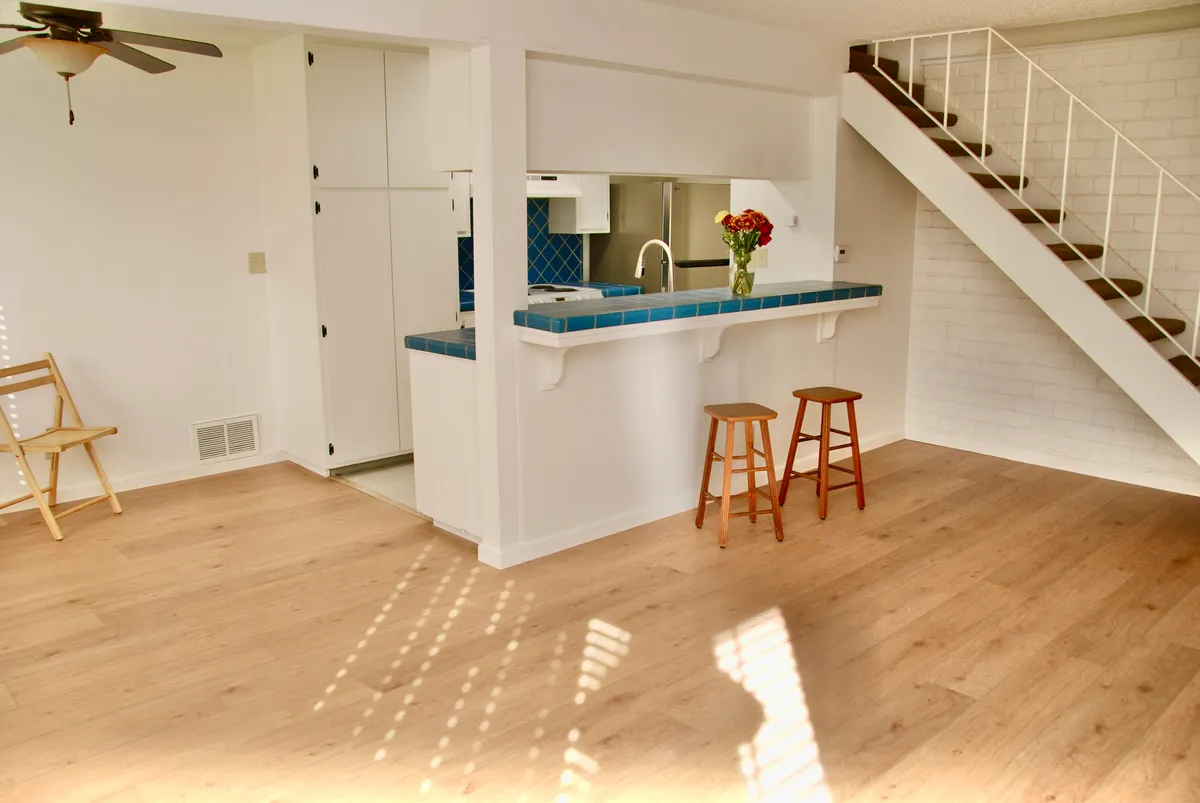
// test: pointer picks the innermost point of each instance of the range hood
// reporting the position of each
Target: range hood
(551, 186)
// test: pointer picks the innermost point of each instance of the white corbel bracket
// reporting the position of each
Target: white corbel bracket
(550, 364)
(827, 326)
(710, 342)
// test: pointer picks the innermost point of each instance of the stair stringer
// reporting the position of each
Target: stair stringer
(1132, 363)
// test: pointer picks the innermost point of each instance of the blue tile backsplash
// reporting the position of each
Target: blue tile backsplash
(553, 258)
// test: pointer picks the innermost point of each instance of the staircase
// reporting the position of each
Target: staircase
(1097, 296)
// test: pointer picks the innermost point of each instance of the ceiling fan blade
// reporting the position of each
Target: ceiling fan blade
(165, 42)
(12, 44)
(136, 58)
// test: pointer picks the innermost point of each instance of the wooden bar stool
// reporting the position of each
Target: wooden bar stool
(826, 397)
(732, 415)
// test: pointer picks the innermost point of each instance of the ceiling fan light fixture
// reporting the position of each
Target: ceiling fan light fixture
(66, 58)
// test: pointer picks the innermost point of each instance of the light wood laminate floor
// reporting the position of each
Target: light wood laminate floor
(985, 630)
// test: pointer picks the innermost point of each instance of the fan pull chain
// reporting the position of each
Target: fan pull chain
(70, 110)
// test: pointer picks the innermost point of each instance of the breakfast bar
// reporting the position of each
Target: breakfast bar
(619, 440)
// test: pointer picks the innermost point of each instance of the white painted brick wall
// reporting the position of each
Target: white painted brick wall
(989, 372)
(1149, 88)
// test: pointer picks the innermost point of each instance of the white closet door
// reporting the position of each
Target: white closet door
(354, 270)
(349, 116)
(410, 153)
(424, 280)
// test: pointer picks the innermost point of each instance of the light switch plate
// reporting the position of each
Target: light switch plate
(841, 253)
(758, 258)
(258, 262)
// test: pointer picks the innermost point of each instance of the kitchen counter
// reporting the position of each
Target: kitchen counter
(453, 343)
(577, 316)
(466, 298)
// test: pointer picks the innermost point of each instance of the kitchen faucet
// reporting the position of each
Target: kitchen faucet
(641, 263)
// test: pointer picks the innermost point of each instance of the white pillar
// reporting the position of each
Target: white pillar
(501, 277)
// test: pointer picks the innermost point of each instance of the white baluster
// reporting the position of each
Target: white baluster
(987, 86)
(1024, 131)
(1112, 183)
(1062, 205)
(946, 99)
(1154, 240)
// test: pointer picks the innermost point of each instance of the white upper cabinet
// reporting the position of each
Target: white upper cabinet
(409, 149)
(358, 344)
(349, 117)
(424, 280)
(450, 108)
(460, 203)
(588, 213)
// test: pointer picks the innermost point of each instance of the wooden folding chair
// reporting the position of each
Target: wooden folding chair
(54, 441)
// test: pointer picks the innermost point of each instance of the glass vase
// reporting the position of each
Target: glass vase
(741, 275)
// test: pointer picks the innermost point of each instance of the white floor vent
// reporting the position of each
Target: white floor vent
(226, 439)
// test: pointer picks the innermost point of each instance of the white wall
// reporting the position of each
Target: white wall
(991, 373)
(876, 214)
(125, 243)
(804, 251)
(586, 118)
(649, 36)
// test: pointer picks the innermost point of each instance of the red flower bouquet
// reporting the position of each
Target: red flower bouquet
(743, 234)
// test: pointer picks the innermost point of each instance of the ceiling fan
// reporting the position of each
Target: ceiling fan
(69, 40)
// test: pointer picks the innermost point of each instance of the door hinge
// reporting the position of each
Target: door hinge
(317, 206)
(331, 449)
(316, 172)
(452, 207)
(310, 58)
(324, 331)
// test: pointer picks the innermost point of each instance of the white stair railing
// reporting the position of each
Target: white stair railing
(1089, 138)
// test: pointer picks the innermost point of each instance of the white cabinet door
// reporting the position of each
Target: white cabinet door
(349, 116)
(358, 350)
(460, 203)
(586, 214)
(593, 203)
(450, 108)
(424, 280)
(410, 153)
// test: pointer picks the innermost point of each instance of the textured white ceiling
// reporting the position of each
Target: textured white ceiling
(862, 20)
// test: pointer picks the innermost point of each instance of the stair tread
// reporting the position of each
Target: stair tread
(1106, 290)
(1027, 216)
(1189, 369)
(999, 181)
(865, 63)
(1067, 253)
(922, 120)
(965, 149)
(1144, 327)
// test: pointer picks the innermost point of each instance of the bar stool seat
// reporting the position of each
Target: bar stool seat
(745, 413)
(826, 397)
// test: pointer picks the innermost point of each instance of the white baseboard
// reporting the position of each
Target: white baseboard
(1132, 476)
(525, 551)
(131, 482)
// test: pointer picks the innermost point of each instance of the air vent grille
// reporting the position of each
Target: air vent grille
(226, 439)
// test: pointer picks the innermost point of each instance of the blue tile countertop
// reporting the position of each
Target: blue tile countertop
(574, 316)
(466, 299)
(454, 343)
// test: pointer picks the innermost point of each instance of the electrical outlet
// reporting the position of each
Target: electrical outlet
(258, 262)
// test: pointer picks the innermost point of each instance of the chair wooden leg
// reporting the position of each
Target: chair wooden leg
(858, 473)
(32, 483)
(730, 431)
(100, 475)
(771, 484)
(53, 494)
(751, 479)
(708, 461)
(790, 467)
(823, 467)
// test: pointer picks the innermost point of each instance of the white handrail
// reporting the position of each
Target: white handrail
(1073, 101)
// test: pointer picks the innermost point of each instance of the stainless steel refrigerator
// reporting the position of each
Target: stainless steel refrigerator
(677, 212)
